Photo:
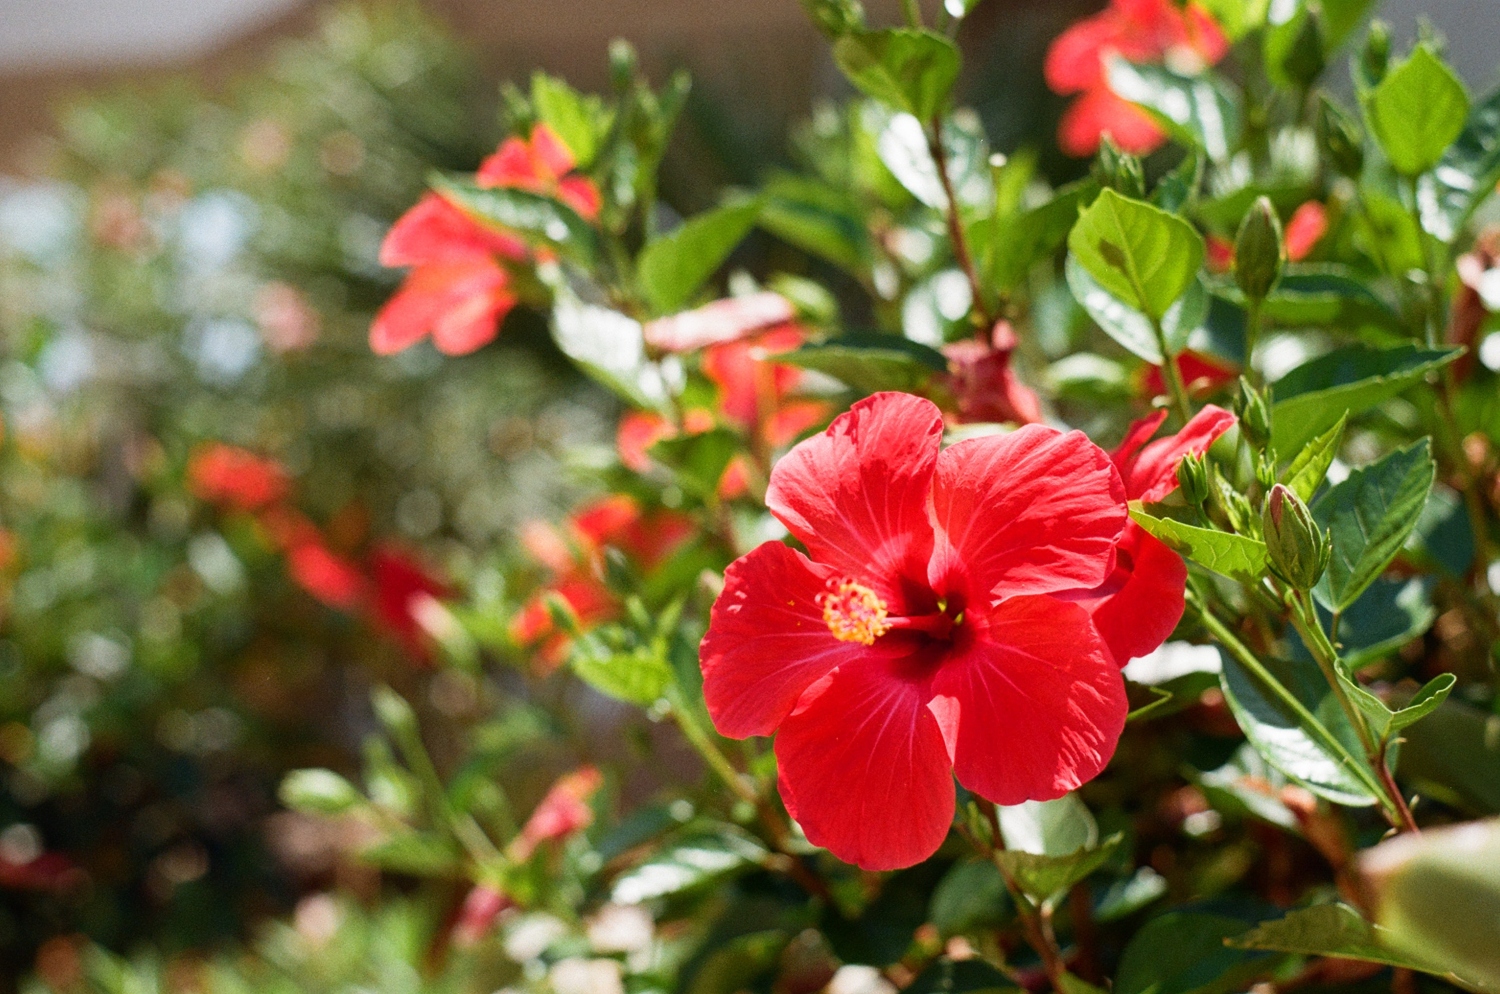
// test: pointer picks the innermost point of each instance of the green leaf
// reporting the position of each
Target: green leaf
(1128, 326)
(1368, 516)
(818, 219)
(1183, 952)
(1308, 470)
(1326, 930)
(1417, 111)
(1197, 110)
(1289, 715)
(701, 857)
(610, 347)
(1454, 755)
(537, 218)
(1007, 247)
(700, 460)
(1385, 723)
(318, 792)
(420, 854)
(1319, 296)
(1237, 556)
(1059, 827)
(1311, 398)
(1436, 898)
(1139, 253)
(1467, 175)
(970, 896)
(1388, 234)
(903, 147)
(1387, 616)
(1130, 894)
(871, 362)
(673, 267)
(638, 675)
(908, 69)
(580, 121)
(946, 976)
(1042, 877)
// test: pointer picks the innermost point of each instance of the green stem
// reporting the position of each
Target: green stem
(1429, 262)
(1247, 659)
(913, 13)
(1172, 374)
(1254, 318)
(1036, 925)
(1305, 621)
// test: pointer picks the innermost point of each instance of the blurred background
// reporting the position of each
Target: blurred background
(192, 196)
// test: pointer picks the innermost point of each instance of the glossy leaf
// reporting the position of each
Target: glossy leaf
(1139, 253)
(905, 68)
(1290, 716)
(1128, 326)
(1198, 110)
(700, 857)
(699, 459)
(1314, 396)
(1320, 296)
(539, 219)
(1007, 247)
(903, 147)
(946, 976)
(673, 267)
(1310, 467)
(1454, 755)
(318, 792)
(1183, 952)
(870, 362)
(818, 219)
(638, 675)
(1059, 827)
(1384, 722)
(1227, 554)
(579, 120)
(971, 895)
(1417, 111)
(1467, 174)
(611, 347)
(1042, 877)
(1368, 516)
(1326, 930)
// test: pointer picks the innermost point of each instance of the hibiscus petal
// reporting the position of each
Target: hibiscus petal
(857, 494)
(436, 231)
(1152, 474)
(1100, 112)
(1139, 614)
(1034, 705)
(472, 322)
(1026, 513)
(767, 641)
(512, 164)
(864, 768)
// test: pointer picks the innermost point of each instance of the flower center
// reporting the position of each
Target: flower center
(853, 613)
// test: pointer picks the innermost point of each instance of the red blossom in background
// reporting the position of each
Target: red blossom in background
(1304, 230)
(1201, 373)
(575, 558)
(333, 579)
(459, 290)
(235, 478)
(1139, 31)
(401, 585)
(920, 640)
(1137, 607)
(984, 383)
(564, 811)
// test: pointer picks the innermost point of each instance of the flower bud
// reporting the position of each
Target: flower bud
(1265, 468)
(1295, 545)
(1306, 59)
(394, 713)
(1375, 57)
(1341, 139)
(1119, 170)
(1192, 477)
(1254, 411)
(1259, 251)
(622, 64)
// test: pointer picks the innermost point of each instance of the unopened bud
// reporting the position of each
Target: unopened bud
(393, 711)
(622, 64)
(1265, 468)
(1341, 139)
(1119, 170)
(1375, 57)
(1259, 251)
(1296, 547)
(1254, 411)
(318, 792)
(1192, 477)
(1305, 60)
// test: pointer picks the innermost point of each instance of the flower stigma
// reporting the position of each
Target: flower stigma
(853, 613)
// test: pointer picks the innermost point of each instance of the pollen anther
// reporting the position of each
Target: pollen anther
(853, 613)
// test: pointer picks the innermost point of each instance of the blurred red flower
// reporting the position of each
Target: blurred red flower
(328, 576)
(400, 586)
(235, 478)
(984, 383)
(459, 291)
(1201, 373)
(919, 639)
(564, 811)
(1139, 31)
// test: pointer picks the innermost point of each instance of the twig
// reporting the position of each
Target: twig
(955, 223)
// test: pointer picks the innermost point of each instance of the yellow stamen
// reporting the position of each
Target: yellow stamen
(853, 613)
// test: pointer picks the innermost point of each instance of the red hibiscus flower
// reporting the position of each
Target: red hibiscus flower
(459, 291)
(984, 384)
(563, 811)
(400, 586)
(1137, 607)
(1304, 229)
(1139, 31)
(918, 638)
(1201, 374)
(328, 576)
(235, 478)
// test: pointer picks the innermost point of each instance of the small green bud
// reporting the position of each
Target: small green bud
(318, 792)
(1265, 468)
(1254, 410)
(1341, 139)
(393, 711)
(835, 18)
(1119, 170)
(1259, 251)
(1192, 477)
(622, 64)
(1306, 59)
(1295, 545)
(1375, 57)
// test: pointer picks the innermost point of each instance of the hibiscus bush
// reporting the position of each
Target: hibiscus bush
(996, 581)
